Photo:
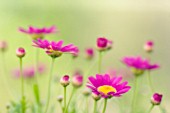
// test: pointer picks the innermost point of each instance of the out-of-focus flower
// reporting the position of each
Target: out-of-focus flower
(36, 33)
(124, 72)
(156, 99)
(28, 72)
(77, 81)
(89, 52)
(60, 98)
(148, 47)
(65, 80)
(86, 92)
(3, 46)
(106, 86)
(20, 52)
(139, 65)
(55, 49)
(103, 44)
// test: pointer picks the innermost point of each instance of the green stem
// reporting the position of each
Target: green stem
(150, 82)
(66, 109)
(62, 108)
(36, 86)
(49, 85)
(105, 104)
(87, 105)
(150, 109)
(65, 97)
(99, 61)
(23, 108)
(95, 106)
(22, 78)
(134, 94)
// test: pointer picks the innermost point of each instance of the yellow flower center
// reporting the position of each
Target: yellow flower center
(105, 89)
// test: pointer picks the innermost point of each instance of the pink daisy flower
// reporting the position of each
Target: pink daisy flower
(38, 32)
(139, 63)
(55, 49)
(106, 86)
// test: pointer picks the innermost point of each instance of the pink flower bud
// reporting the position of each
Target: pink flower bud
(65, 80)
(77, 81)
(89, 53)
(148, 47)
(156, 99)
(3, 45)
(103, 44)
(96, 97)
(20, 52)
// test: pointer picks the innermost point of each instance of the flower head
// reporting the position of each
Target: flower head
(148, 47)
(103, 44)
(20, 52)
(106, 86)
(3, 46)
(156, 99)
(65, 80)
(38, 32)
(77, 81)
(89, 53)
(55, 49)
(139, 65)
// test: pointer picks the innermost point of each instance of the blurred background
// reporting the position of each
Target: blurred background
(129, 23)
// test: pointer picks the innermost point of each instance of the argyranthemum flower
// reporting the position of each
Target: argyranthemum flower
(36, 33)
(138, 64)
(106, 86)
(55, 49)
(89, 52)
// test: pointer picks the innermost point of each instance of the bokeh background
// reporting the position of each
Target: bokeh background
(129, 23)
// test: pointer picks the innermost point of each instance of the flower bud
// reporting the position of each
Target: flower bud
(148, 47)
(96, 97)
(103, 44)
(65, 80)
(20, 52)
(89, 53)
(8, 106)
(60, 98)
(3, 46)
(77, 81)
(156, 99)
(86, 92)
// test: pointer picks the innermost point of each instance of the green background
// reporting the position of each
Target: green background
(129, 23)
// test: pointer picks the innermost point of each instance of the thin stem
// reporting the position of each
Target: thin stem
(134, 94)
(36, 86)
(95, 106)
(99, 62)
(150, 109)
(105, 104)
(66, 109)
(22, 88)
(150, 82)
(61, 107)
(22, 78)
(65, 97)
(87, 105)
(49, 85)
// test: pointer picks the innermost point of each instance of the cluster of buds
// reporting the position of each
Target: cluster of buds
(148, 47)
(104, 44)
(156, 99)
(77, 81)
(20, 52)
